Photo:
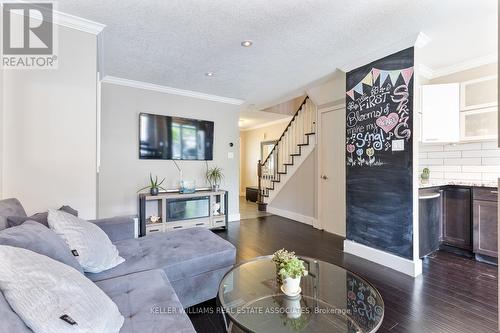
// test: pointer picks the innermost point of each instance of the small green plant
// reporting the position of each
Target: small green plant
(293, 268)
(288, 265)
(425, 174)
(154, 185)
(214, 176)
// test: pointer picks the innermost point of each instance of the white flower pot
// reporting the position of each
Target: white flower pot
(291, 286)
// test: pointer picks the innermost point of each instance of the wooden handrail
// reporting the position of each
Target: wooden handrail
(286, 129)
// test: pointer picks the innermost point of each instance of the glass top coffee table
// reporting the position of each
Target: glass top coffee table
(332, 300)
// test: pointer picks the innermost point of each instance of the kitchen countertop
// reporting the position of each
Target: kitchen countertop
(436, 183)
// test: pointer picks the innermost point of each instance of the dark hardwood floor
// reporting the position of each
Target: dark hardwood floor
(454, 294)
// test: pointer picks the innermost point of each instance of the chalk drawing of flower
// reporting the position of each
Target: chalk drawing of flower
(361, 296)
(359, 151)
(371, 300)
(350, 148)
(351, 295)
(370, 152)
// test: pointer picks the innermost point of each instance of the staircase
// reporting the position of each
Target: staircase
(294, 145)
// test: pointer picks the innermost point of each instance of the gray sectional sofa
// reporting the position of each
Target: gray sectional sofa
(162, 274)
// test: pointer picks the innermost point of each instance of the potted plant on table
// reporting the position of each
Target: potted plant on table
(214, 176)
(290, 270)
(154, 186)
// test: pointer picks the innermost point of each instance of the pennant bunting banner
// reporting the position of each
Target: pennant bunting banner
(394, 75)
(359, 88)
(368, 79)
(407, 74)
(383, 77)
(375, 73)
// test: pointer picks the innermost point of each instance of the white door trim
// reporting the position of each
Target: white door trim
(319, 221)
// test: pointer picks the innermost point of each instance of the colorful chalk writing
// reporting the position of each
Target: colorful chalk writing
(377, 116)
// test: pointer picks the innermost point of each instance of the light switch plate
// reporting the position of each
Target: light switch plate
(398, 145)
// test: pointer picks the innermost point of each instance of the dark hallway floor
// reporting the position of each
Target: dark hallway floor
(454, 294)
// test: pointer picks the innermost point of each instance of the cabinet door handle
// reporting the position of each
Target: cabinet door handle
(154, 230)
(200, 223)
(177, 227)
(494, 192)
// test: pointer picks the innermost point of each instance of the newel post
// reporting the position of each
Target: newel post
(260, 202)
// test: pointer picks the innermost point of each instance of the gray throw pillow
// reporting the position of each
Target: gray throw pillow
(13, 221)
(35, 237)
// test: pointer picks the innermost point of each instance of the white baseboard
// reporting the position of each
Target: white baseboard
(406, 266)
(292, 215)
(234, 217)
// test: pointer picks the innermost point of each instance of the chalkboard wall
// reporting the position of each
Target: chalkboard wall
(379, 157)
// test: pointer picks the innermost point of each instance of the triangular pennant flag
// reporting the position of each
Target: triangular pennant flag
(394, 76)
(375, 74)
(407, 74)
(350, 93)
(359, 88)
(368, 79)
(383, 76)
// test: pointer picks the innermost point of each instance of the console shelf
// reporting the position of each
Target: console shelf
(179, 211)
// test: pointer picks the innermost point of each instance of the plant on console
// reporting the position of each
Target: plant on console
(154, 186)
(214, 176)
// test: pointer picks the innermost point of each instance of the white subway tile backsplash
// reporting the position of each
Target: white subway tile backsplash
(463, 146)
(444, 154)
(434, 161)
(490, 145)
(491, 160)
(490, 177)
(462, 175)
(482, 153)
(427, 148)
(475, 161)
(463, 161)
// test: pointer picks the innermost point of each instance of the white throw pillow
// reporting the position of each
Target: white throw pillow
(89, 244)
(42, 291)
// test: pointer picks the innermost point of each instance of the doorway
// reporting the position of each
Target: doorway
(331, 170)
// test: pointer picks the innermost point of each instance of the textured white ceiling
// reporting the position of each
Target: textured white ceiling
(175, 42)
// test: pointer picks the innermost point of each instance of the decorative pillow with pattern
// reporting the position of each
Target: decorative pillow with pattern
(88, 243)
(51, 297)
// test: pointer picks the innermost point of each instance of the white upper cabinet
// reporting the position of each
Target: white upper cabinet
(440, 113)
(478, 109)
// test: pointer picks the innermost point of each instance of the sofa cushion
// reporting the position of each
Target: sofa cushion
(181, 254)
(10, 207)
(43, 291)
(148, 303)
(10, 321)
(33, 236)
(89, 243)
(42, 218)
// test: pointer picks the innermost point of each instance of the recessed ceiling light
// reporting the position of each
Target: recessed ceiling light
(210, 74)
(246, 43)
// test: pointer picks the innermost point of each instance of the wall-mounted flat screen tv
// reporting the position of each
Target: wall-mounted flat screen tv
(174, 138)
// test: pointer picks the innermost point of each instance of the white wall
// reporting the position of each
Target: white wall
(122, 173)
(299, 194)
(49, 129)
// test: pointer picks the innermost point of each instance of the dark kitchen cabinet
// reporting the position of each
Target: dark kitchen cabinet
(485, 220)
(457, 224)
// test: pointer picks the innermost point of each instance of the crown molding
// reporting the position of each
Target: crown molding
(469, 64)
(270, 123)
(78, 23)
(169, 90)
(68, 20)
